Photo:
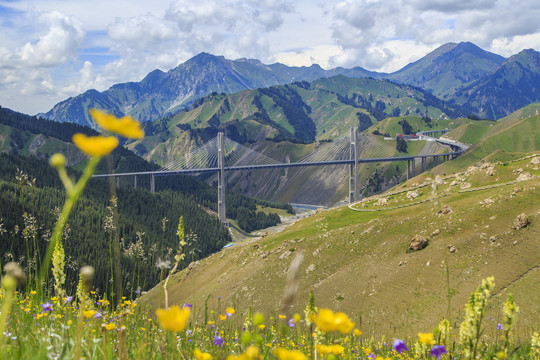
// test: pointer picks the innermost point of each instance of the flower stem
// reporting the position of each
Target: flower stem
(73, 195)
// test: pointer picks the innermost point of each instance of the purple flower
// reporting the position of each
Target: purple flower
(218, 340)
(68, 299)
(399, 346)
(437, 351)
(291, 323)
(186, 305)
(98, 315)
(47, 306)
(499, 327)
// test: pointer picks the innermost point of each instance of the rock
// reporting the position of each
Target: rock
(454, 183)
(487, 201)
(285, 254)
(524, 176)
(444, 210)
(412, 194)
(465, 185)
(452, 248)
(310, 268)
(515, 242)
(256, 247)
(436, 232)
(428, 263)
(382, 202)
(418, 243)
(535, 160)
(400, 263)
(521, 221)
(518, 171)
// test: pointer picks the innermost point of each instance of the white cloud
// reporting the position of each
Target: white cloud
(59, 44)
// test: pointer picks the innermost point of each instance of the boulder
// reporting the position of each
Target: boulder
(444, 210)
(451, 248)
(412, 194)
(521, 221)
(418, 242)
(524, 176)
(535, 160)
(436, 232)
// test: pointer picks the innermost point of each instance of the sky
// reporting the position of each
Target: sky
(53, 49)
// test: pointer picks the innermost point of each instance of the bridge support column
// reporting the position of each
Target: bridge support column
(135, 182)
(408, 169)
(423, 162)
(436, 161)
(117, 182)
(152, 184)
(221, 180)
(353, 168)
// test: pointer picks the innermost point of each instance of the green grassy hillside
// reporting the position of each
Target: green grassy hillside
(357, 260)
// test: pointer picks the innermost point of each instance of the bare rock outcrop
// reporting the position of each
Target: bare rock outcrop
(445, 210)
(418, 242)
(521, 221)
(412, 194)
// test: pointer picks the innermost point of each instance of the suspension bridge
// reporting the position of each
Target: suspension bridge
(221, 155)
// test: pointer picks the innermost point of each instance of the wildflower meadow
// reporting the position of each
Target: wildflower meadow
(38, 321)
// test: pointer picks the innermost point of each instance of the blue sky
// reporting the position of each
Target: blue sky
(53, 49)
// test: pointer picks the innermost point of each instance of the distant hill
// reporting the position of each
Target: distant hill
(28, 136)
(448, 68)
(515, 84)
(300, 112)
(161, 93)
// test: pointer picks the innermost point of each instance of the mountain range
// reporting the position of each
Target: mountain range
(486, 84)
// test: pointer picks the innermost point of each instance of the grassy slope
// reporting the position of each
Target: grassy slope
(351, 259)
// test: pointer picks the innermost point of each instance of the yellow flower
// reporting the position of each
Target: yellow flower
(33, 292)
(125, 126)
(199, 355)
(252, 352)
(229, 310)
(262, 326)
(222, 317)
(110, 326)
(174, 319)
(426, 338)
(284, 354)
(282, 317)
(357, 332)
(211, 322)
(95, 145)
(89, 313)
(322, 349)
(337, 349)
(328, 321)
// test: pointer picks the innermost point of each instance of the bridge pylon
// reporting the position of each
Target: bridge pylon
(221, 179)
(353, 168)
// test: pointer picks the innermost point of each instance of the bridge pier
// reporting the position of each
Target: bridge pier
(152, 184)
(135, 182)
(436, 160)
(424, 164)
(118, 182)
(353, 168)
(221, 180)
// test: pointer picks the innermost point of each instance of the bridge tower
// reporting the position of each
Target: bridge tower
(353, 168)
(221, 179)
